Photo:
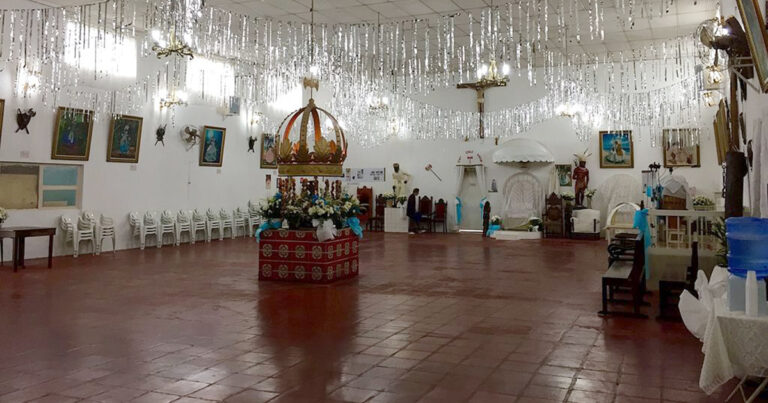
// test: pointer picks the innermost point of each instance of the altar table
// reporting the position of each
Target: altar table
(19, 236)
(395, 220)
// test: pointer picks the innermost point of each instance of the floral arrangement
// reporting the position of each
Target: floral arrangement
(496, 220)
(3, 215)
(703, 201)
(401, 200)
(590, 193)
(270, 208)
(568, 196)
(301, 210)
(388, 196)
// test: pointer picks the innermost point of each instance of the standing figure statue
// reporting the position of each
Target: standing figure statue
(581, 177)
(399, 181)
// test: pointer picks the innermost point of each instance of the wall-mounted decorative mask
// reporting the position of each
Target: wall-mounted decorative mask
(251, 144)
(190, 134)
(160, 135)
(23, 119)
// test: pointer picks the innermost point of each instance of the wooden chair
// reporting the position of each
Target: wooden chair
(365, 196)
(426, 210)
(625, 270)
(670, 290)
(376, 222)
(553, 217)
(439, 216)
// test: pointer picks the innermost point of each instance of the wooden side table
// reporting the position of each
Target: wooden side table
(19, 236)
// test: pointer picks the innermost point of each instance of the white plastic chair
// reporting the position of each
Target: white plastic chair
(134, 219)
(149, 227)
(239, 219)
(167, 226)
(199, 223)
(253, 219)
(184, 224)
(66, 225)
(83, 232)
(106, 230)
(214, 223)
(227, 222)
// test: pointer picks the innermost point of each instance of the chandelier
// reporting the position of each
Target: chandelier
(488, 75)
(175, 98)
(173, 47)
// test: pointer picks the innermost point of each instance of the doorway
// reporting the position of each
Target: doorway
(471, 194)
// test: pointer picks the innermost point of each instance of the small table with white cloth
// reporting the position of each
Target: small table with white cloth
(735, 345)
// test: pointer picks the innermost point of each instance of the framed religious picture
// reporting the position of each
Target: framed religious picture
(681, 148)
(212, 146)
(564, 174)
(722, 136)
(72, 134)
(268, 152)
(124, 139)
(757, 36)
(616, 149)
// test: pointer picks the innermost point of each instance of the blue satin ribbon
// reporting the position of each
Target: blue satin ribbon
(492, 228)
(354, 224)
(482, 206)
(641, 223)
(458, 211)
(269, 224)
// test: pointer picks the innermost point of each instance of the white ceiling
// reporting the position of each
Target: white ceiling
(682, 18)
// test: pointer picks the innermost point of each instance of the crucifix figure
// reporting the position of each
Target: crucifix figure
(489, 80)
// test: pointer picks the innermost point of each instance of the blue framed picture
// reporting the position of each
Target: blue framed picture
(212, 146)
(616, 149)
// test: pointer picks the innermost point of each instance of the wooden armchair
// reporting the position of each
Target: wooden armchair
(365, 196)
(376, 222)
(439, 216)
(625, 271)
(426, 210)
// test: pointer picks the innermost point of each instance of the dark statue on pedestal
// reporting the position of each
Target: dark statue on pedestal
(581, 178)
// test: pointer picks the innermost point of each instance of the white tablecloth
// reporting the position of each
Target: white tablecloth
(734, 346)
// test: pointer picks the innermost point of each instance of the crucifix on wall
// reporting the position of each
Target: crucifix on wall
(488, 80)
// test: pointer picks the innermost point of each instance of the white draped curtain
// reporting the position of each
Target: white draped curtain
(480, 172)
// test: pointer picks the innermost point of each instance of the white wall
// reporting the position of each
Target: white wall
(169, 177)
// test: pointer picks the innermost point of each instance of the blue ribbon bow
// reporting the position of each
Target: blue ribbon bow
(354, 224)
(458, 211)
(641, 223)
(269, 224)
(492, 228)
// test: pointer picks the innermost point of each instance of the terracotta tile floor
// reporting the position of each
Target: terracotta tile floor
(433, 318)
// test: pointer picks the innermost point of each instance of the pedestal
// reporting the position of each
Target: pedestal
(395, 220)
(297, 255)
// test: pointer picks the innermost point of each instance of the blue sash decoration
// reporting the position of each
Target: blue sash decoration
(269, 224)
(458, 211)
(641, 223)
(354, 224)
(482, 205)
(492, 228)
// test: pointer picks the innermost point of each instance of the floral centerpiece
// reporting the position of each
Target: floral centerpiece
(590, 193)
(568, 196)
(389, 198)
(402, 200)
(495, 220)
(703, 203)
(3, 215)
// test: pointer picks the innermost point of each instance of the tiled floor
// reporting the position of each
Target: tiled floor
(433, 318)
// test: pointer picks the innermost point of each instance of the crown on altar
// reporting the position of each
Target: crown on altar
(327, 155)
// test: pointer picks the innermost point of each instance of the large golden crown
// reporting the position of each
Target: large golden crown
(296, 159)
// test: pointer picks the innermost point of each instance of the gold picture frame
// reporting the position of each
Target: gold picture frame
(677, 155)
(615, 147)
(757, 37)
(125, 145)
(72, 134)
(722, 137)
(212, 146)
(268, 154)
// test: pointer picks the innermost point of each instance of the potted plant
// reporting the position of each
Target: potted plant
(703, 203)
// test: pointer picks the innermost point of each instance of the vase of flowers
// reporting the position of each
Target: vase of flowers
(495, 220)
(401, 201)
(3, 215)
(568, 197)
(590, 193)
(389, 198)
(703, 203)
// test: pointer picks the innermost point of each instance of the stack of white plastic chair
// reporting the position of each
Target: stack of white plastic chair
(84, 232)
(214, 223)
(134, 218)
(199, 223)
(227, 222)
(253, 218)
(68, 228)
(105, 230)
(239, 219)
(184, 224)
(167, 226)
(149, 227)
